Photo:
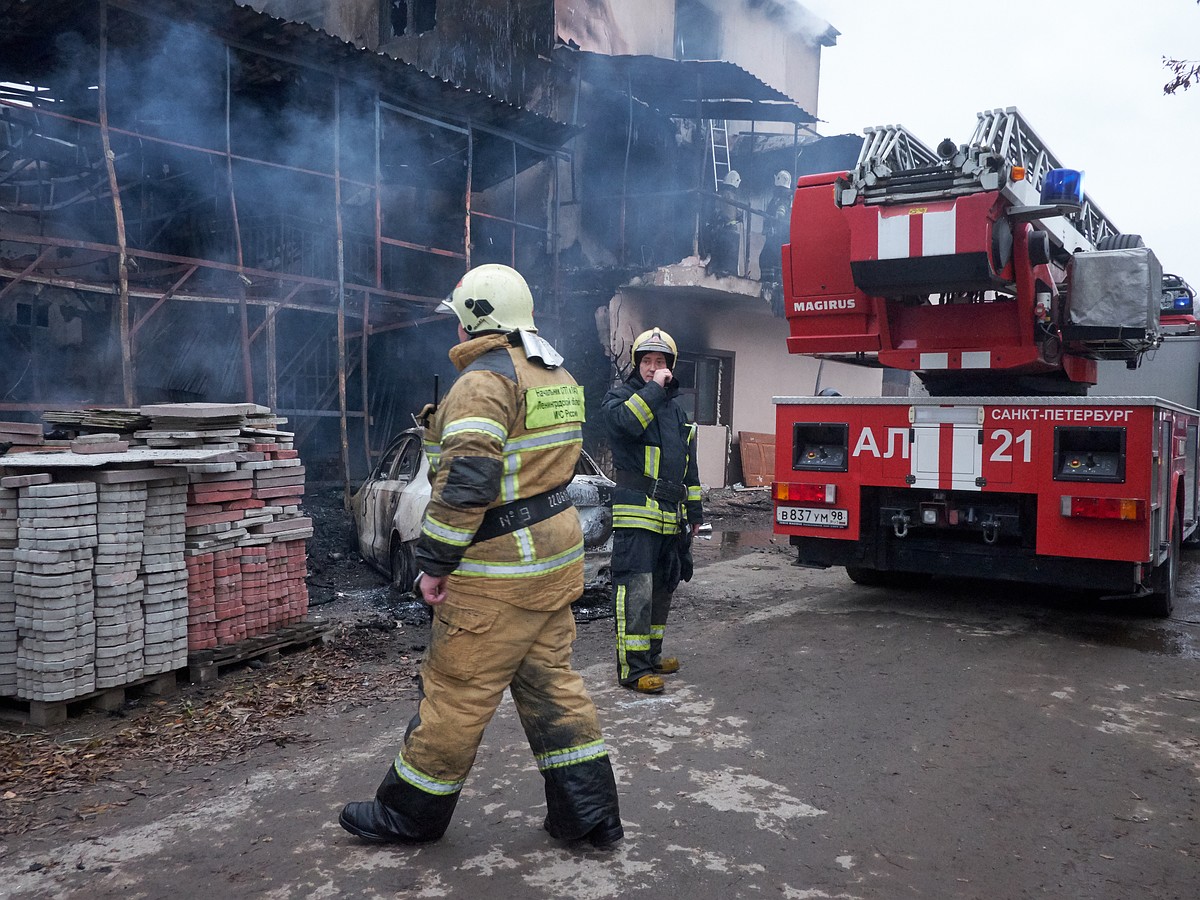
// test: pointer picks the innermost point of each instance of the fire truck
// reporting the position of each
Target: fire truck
(985, 271)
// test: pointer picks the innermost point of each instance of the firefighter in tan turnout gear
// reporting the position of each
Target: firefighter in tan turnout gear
(656, 507)
(501, 557)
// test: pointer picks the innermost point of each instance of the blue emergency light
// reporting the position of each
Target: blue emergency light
(1063, 187)
(1183, 301)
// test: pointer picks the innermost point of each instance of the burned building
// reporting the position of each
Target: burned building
(200, 201)
(263, 199)
(670, 99)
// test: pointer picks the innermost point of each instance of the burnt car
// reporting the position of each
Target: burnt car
(390, 504)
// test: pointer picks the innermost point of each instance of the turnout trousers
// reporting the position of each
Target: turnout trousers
(479, 648)
(645, 573)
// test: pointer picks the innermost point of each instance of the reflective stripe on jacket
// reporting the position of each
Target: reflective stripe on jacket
(508, 429)
(650, 435)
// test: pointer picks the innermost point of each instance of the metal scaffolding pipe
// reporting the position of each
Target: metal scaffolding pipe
(247, 371)
(11, 286)
(341, 286)
(119, 213)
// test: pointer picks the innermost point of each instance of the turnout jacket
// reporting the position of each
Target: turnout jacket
(509, 429)
(651, 436)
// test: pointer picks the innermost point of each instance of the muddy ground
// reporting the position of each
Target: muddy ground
(823, 741)
(374, 629)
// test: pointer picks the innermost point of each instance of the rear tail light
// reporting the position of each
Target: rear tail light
(804, 493)
(1124, 509)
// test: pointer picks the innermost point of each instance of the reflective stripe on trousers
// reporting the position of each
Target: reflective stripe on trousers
(642, 606)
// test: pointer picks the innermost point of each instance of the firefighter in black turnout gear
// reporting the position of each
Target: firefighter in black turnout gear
(656, 507)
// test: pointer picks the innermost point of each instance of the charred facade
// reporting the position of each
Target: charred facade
(199, 201)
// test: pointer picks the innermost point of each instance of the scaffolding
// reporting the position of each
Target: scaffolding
(327, 197)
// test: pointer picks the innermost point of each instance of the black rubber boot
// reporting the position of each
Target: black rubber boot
(399, 814)
(581, 803)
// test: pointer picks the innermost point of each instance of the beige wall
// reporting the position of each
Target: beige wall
(783, 59)
(644, 27)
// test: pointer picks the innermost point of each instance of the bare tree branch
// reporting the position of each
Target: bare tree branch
(1184, 72)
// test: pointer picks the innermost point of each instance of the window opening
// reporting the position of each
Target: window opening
(396, 15)
(705, 387)
(424, 15)
(697, 31)
(403, 17)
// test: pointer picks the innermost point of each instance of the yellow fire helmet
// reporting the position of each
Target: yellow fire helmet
(491, 298)
(649, 341)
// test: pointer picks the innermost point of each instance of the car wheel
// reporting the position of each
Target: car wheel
(403, 565)
(1164, 580)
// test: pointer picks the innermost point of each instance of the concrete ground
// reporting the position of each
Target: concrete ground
(823, 740)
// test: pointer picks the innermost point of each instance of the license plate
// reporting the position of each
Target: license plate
(807, 515)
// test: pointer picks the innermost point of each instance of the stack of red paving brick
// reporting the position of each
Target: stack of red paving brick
(244, 538)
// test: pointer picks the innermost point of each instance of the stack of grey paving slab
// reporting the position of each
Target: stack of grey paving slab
(120, 622)
(94, 576)
(52, 583)
(8, 600)
(164, 571)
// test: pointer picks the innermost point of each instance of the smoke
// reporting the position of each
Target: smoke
(792, 15)
(168, 81)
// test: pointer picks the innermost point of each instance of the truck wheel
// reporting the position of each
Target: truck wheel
(403, 565)
(1120, 242)
(881, 578)
(1164, 580)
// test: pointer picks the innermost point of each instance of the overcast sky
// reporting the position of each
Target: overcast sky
(1087, 75)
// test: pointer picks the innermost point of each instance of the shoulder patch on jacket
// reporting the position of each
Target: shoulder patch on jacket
(553, 404)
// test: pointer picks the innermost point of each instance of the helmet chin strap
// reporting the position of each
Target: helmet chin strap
(539, 348)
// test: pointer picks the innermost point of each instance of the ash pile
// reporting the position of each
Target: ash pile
(142, 537)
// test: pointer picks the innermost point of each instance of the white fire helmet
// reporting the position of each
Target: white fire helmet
(733, 179)
(491, 299)
(783, 178)
(654, 339)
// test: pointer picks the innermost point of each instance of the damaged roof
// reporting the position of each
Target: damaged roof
(26, 25)
(690, 89)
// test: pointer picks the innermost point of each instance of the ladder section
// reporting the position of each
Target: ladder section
(1003, 140)
(895, 167)
(718, 136)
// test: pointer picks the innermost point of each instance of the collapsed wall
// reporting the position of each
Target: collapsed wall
(175, 529)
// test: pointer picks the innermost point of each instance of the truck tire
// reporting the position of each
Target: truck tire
(403, 564)
(1164, 580)
(885, 578)
(1120, 242)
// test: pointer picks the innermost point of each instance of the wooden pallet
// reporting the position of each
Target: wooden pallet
(55, 712)
(206, 665)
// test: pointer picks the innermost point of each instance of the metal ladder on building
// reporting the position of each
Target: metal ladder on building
(718, 137)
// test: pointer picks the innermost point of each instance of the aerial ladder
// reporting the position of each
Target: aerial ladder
(974, 265)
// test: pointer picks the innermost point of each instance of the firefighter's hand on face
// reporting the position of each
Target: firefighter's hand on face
(432, 589)
(662, 376)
